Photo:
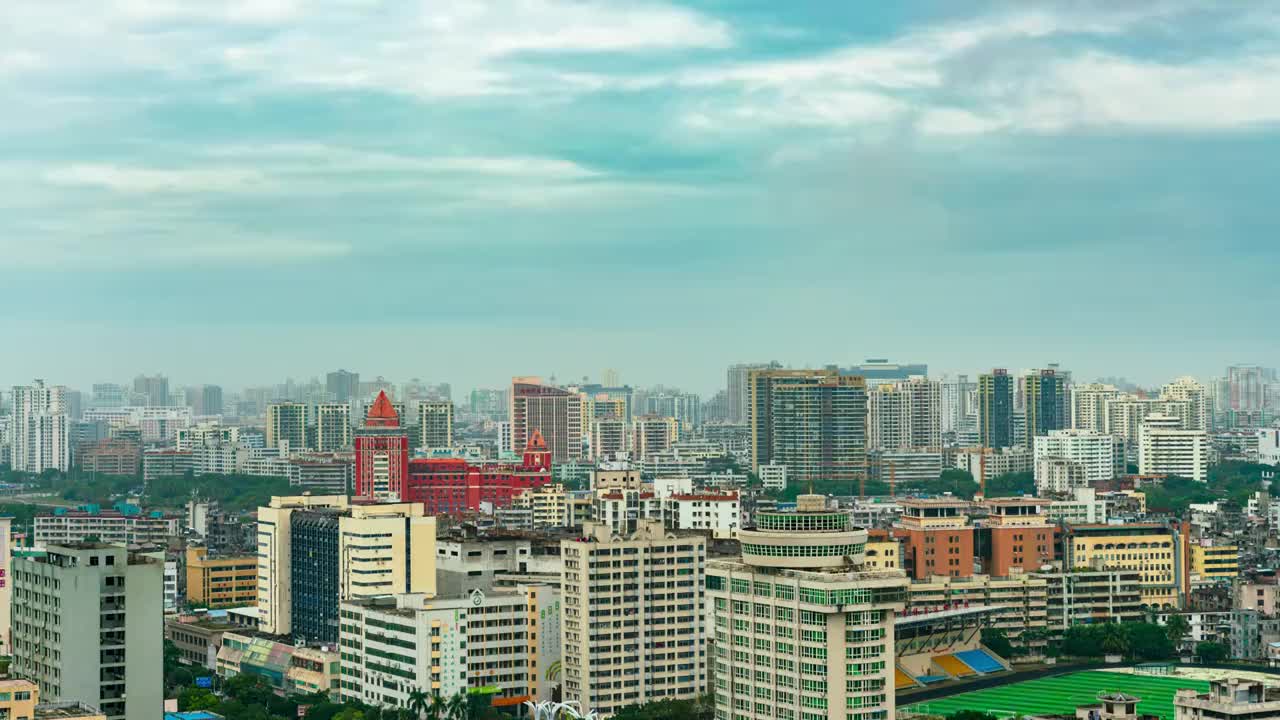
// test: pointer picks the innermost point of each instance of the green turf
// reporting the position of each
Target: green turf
(1061, 694)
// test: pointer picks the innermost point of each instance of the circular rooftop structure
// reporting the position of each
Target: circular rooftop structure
(811, 537)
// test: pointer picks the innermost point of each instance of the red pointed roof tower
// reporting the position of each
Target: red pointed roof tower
(382, 413)
(536, 454)
(382, 453)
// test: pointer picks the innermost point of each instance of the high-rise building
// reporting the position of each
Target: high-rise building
(435, 424)
(1188, 390)
(818, 429)
(1125, 414)
(489, 403)
(995, 409)
(610, 438)
(956, 406)
(382, 453)
(333, 427)
(87, 625)
(761, 385)
(552, 411)
(631, 620)
(1166, 449)
(803, 627)
(1045, 396)
(904, 415)
(654, 434)
(1246, 388)
(205, 400)
(152, 389)
(738, 391)
(1089, 405)
(315, 551)
(1098, 455)
(41, 432)
(343, 385)
(109, 395)
(287, 423)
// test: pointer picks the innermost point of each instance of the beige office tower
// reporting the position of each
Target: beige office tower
(287, 423)
(803, 628)
(314, 551)
(333, 427)
(632, 618)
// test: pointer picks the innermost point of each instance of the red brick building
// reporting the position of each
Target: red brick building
(382, 453)
(454, 485)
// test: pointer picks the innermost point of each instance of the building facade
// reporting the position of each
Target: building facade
(802, 629)
(87, 625)
(995, 409)
(382, 453)
(554, 412)
(623, 645)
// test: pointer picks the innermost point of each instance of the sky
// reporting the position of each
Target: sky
(243, 191)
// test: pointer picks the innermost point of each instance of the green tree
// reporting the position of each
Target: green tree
(1148, 642)
(1113, 640)
(997, 642)
(1177, 628)
(419, 701)
(1211, 652)
(194, 699)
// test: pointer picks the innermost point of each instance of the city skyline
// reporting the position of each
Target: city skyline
(227, 195)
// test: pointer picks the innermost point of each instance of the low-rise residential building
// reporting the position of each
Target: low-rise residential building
(1263, 597)
(220, 581)
(773, 476)
(1213, 563)
(1157, 551)
(111, 457)
(1165, 448)
(166, 463)
(717, 513)
(1228, 699)
(198, 637)
(507, 641)
(1083, 508)
(286, 668)
(1084, 596)
(125, 524)
(992, 462)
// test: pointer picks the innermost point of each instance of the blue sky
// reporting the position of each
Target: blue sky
(235, 192)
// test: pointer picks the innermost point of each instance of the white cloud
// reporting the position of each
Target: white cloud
(126, 179)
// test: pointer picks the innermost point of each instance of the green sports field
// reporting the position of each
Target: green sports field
(1063, 693)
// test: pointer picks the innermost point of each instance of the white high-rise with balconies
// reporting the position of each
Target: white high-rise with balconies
(1166, 449)
(40, 434)
(1188, 390)
(1098, 455)
(1089, 405)
(904, 415)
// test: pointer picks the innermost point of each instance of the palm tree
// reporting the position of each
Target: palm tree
(458, 706)
(419, 701)
(438, 709)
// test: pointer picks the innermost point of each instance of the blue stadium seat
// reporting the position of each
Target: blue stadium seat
(980, 660)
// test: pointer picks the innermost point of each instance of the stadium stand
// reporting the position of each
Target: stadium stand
(980, 660)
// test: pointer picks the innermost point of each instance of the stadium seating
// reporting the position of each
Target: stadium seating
(902, 680)
(980, 660)
(927, 679)
(953, 667)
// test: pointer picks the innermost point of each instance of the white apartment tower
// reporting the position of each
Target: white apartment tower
(1188, 390)
(41, 428)
(1100, 456)
(803, 628)
(1165, 449)
(905, 415)
(632, 617)
(1089, 405)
